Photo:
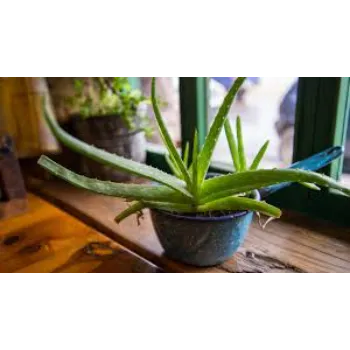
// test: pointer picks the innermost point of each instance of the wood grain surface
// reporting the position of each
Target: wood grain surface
(46, 239)
(297, 244)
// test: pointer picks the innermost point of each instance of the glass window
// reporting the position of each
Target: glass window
(169, 101)
(267, 109)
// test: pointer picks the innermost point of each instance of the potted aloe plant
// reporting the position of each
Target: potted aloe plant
(105, 112)
(199, 220)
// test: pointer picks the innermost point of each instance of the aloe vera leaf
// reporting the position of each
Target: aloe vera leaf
(129, 191)
(186, 154)
(107, 158)
(172, 166)
(134, 208)
(310, 186)
(211, 140)
(194, 172)
(241, 151)
(241, 203)
(257, 160)
(232, 145)
(166, 137)
(227, 185)
(226, 204)
(171, 158)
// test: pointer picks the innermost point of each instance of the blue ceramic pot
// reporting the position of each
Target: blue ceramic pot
(201, 241)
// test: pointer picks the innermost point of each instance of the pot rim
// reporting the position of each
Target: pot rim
(234, 215)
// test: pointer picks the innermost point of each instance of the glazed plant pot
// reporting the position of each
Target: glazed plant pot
(198, 240)
(110, 134)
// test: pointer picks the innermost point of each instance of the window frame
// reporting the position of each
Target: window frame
(322, 114)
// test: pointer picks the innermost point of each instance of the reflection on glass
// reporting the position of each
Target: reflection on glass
(267, 110)
(168, 97)
(346, 169)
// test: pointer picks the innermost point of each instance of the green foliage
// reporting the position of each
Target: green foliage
(188, 190)
(110, 96)
(206, 153)
(259, 156)
(186, 154)
(241, 152)
(110, 159)
(178, 162)
(232, 145)
(195, 168)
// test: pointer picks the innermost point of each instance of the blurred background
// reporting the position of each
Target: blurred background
(265, 104)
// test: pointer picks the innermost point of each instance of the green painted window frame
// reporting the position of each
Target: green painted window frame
(321, 121)
(321, 118)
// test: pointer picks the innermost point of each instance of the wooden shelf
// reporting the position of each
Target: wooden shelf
(46, 239)
(295, 244)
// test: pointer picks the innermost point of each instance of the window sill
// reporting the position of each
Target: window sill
(294, 244)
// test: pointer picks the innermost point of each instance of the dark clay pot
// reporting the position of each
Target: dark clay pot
(110, 134)
(201, 241)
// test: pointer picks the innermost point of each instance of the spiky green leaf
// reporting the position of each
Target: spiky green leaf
(172, 166)
(186, 154)
(241, 203)
(232, 145)
(241, 151)
(134, 208)
(257, 160)
(206, 153)
(128, 191)
(166, 137)
(228, 185)
(310, 186)
(195, 166)
(226, 204)
(109, 159)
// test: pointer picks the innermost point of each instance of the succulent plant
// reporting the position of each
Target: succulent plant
(110, 96)
(187, 190)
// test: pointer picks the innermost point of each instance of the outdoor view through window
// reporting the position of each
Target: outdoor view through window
(169, 101)
(265, 105)
(267, 109)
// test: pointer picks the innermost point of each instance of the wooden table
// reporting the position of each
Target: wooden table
(295, 244)
(46, 239)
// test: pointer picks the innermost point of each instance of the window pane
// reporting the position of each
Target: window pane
(168, 95)
(267, 110)
(346, 169)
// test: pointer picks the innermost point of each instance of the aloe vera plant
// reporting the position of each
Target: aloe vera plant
(187, 190)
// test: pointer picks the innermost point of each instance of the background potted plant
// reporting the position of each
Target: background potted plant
(107, 113)
(199, 220)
